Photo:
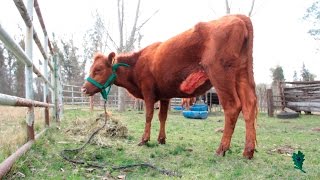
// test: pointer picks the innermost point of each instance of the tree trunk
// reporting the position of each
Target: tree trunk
(227, 7)
(251, 9)
(121, 99)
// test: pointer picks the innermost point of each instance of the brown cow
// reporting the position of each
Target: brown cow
(216, 53)
(187, 102)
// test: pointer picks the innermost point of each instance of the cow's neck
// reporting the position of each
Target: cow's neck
(125, 75)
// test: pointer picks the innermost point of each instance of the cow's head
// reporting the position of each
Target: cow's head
(100, 71)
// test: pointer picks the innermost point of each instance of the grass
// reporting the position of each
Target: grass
(13, 128)
(189, 150)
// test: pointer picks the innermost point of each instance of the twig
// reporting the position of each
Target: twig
(144, 22)
(162, 171)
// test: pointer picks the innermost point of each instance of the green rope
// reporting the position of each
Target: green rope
(107, 85)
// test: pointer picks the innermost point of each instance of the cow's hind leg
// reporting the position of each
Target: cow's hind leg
(246, 91)
(163, 112)
(231, 106)
(224, 81)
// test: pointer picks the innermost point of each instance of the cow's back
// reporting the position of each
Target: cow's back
(171, 62)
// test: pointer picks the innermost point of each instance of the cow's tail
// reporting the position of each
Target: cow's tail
(249, 51)
(249, 48)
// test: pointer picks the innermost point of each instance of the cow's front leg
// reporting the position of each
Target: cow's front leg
(163, 112)
(149, 114)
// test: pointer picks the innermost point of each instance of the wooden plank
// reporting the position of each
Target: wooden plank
(302, 82)
(312, 86)
(312, 104)
(304, 108)
(302, 93)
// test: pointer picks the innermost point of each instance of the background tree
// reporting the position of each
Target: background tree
(229, 10)
(19, 73)
(95, 40)
(261, 91)
(38, 92)
(277, 74)
(4, 88)
(306, 75)
(295, 76)
(313, 15)
(128, 36)
(127, 42)
(70, 61)
(11, 72)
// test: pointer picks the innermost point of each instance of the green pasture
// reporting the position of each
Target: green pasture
(189, 150)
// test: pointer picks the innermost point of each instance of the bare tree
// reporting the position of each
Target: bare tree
(228, 7)
(251, 9)
(127, 44)
(99, 38)
(19, 74)
(261, 91)
(4, 88)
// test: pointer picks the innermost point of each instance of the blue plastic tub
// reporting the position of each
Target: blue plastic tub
(199, 107)
(178, 108)
(195, 114)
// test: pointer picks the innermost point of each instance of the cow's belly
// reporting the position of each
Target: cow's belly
(195, 84)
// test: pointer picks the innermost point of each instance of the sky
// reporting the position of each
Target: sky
(280, 33)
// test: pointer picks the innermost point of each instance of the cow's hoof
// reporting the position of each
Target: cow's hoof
(143, 142)
(220, 153)
(248, 153)
(162, 140)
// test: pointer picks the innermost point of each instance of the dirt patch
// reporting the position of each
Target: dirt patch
(286, 149)
(316, 129)
(81, 129)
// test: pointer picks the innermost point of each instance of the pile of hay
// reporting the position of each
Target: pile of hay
(81, 130)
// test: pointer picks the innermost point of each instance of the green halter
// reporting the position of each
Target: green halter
(109, 82)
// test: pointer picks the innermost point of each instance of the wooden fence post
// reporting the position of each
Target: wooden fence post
(45, 84)
(55, 89)
(29, 73)
(282, 97)
(270, 102)
(60, 92)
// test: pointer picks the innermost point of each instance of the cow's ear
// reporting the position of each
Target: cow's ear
(111, 57)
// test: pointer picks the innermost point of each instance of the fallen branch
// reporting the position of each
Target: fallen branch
(162, 171)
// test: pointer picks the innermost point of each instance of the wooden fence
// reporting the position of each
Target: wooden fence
(73, 98)
(297, 96)
(301, 96)
(26, 57)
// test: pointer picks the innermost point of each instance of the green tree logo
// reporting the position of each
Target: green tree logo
(298, 160)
